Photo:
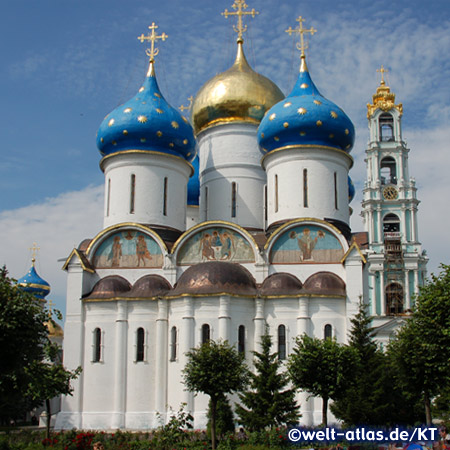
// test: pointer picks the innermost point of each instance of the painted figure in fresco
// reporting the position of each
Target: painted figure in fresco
(142, 250)
(228, 245)
(216, 245)
(306, 242)
(116, 252)
(205, 245)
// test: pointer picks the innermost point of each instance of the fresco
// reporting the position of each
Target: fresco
(306, 244)
(215, 244)
(128, 249)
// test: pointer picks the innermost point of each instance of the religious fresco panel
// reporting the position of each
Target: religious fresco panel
(306, 244)
(215, 244)
(128, 249)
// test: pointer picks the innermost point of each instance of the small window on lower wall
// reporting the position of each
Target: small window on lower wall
(206, 333)
(282, 342)
(97, 345)
(241, 339)
(173, 344)
(140, 345)
(327, 331)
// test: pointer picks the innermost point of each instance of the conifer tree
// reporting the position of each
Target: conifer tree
(268, 402)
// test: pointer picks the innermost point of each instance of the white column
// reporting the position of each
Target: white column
(380, 226)
(403, 224)
(161, 358)
(416, 281)
(260, 323)
(120, 367)
(382, 296)
(303, 318)
(372, 293)
(371, 227)
(407, 292)
(224, 318)
(186, 344)
(413, 224)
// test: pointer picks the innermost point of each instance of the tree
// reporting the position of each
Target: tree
(321, 367)
(419, 348)
(215, 369)
(268, 403)
(224, 417)
(372, 398)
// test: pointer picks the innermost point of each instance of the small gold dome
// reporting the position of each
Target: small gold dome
(238, 94)
(54, 329)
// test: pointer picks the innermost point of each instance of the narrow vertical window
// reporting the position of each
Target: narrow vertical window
(206, 203)
(132, 192)
(108, 198)
(165, 197)
(205, 333)
(281, 342)
(327, 331)
(233, 199)
(305, 188)
(173, 344)
(241, 339)
(140, 341)
(265, 204)
(335, 191)
(97, 356)
(276, 193)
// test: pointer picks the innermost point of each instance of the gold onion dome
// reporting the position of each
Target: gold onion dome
(237, 95)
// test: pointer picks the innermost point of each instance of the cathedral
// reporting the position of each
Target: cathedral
(217, 226)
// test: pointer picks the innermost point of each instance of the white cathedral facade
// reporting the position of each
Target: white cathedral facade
(253, 231)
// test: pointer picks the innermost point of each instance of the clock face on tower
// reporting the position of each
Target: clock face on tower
(390, 193)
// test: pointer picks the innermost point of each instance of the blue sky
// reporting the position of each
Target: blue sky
(68, 63)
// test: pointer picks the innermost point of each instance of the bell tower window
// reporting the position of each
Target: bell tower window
(394, 299)
(386, 122)
(388, 170)
(391, 224)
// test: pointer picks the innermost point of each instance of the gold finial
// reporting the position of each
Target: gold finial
(34, 251)
(50, 308)
(240, 5)
(188, 107)
(382, 71)
(302, 46)
(153, 37)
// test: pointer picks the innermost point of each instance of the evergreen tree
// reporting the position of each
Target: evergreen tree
(268, 403)
(224, 417)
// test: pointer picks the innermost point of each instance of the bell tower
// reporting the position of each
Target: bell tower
(396, 262)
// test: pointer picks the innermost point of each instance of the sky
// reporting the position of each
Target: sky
(67, 63)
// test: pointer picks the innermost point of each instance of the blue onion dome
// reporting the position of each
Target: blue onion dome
(237, 95)
(34, 284)
(194, 185)
(351, 190)
(147, 122)
(305, 118)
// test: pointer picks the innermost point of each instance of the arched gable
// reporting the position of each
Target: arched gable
(306, 241)
(215, 241)
(127, 246)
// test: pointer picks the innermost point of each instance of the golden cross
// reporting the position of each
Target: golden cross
(301, 31)
(382, 71)
(34, 251)
(153, 37)
(240, 5)
(188, 107)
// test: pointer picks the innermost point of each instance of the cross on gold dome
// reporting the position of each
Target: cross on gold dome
(186, 108)
(240, 5)
(382, 71)
(153, 37)
(34, 251)
(301, 31)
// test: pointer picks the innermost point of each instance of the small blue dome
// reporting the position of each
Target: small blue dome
(351, 190)
(34, 284)
(305, 118)
(194, 185)
(147, 122)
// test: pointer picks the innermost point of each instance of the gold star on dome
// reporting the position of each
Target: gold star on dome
(302, 46)
(240, 28)
(152, 38)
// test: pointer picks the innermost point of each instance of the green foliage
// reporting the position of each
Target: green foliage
(215, 369)
(441, 404)
(323, 368)
(23, 337)
(418, 349)
(173, 432)
(224, 418)
(268, 403)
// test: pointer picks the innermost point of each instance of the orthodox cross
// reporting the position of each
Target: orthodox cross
(240, 5)
(382, 71)
(153, 37)
(34, 251)
(301, 31)
(188, 107)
